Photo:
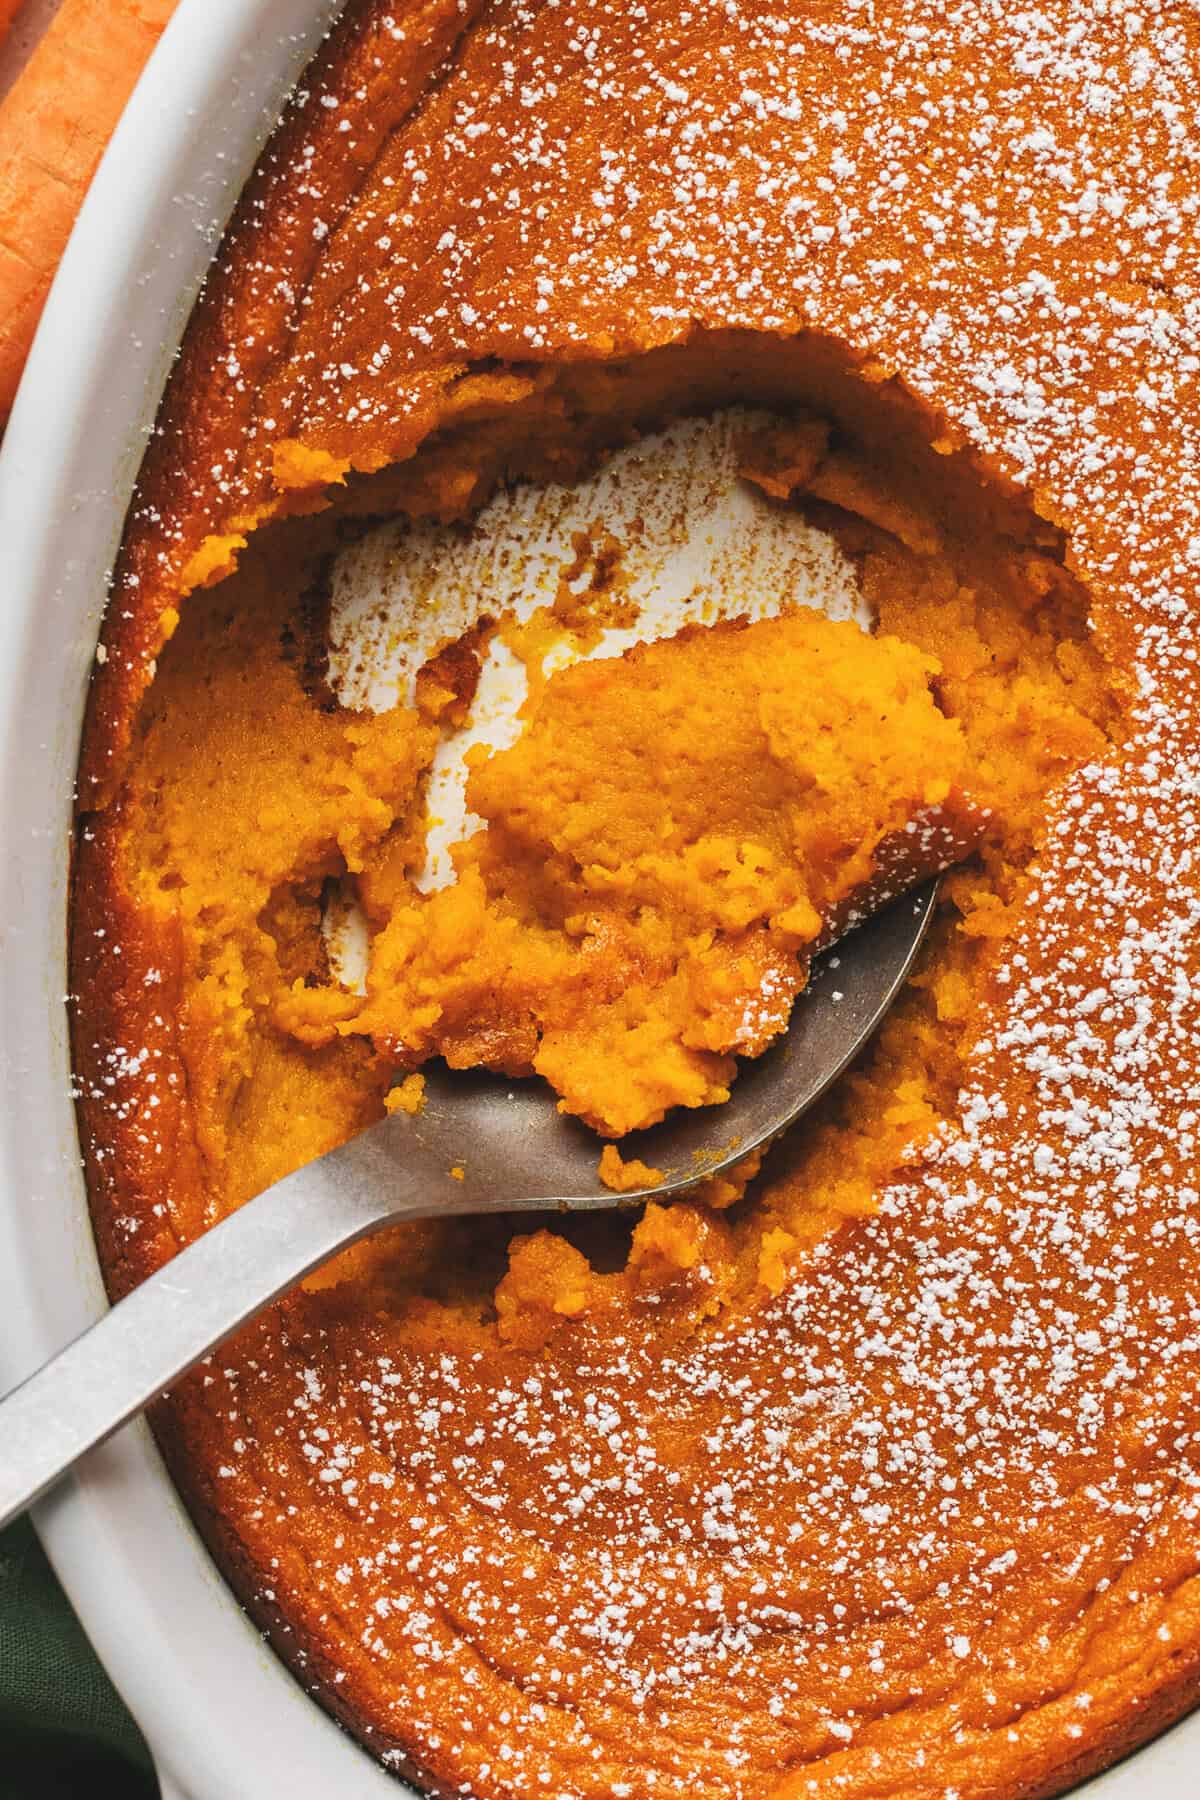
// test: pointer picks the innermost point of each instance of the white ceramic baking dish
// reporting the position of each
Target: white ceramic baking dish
(224, 1718)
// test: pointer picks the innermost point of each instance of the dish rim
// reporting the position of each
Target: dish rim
(158, 1612)
(116, 1531)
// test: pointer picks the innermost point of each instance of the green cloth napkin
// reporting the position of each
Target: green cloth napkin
(64, 1733)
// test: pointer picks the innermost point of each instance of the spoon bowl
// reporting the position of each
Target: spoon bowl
(480, 1144)
(508, 1137)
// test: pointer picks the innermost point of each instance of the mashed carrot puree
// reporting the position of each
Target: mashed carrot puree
(670, 837)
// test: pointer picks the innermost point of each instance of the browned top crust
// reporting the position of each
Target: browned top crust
(979, 1412)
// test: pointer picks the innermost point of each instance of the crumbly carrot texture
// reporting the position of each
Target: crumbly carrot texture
(667, 843)
(407, 1097)
(54, 125)
(627, 1176)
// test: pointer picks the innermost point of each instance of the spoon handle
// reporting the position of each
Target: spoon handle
(517, 1150)
(184, 1310)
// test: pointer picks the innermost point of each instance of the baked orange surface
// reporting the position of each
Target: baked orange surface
(872, 1471)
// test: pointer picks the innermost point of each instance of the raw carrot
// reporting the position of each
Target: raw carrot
(54, 124)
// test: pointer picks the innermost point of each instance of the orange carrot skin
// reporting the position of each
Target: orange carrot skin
(54, 125)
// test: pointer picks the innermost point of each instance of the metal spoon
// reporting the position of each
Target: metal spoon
(515, 1152)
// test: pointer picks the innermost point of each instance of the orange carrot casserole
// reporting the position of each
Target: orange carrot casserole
(871, 1470)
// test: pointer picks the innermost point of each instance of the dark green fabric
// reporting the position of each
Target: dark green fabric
(64, 1733)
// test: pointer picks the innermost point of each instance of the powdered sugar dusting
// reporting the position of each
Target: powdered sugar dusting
(928, 1516)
